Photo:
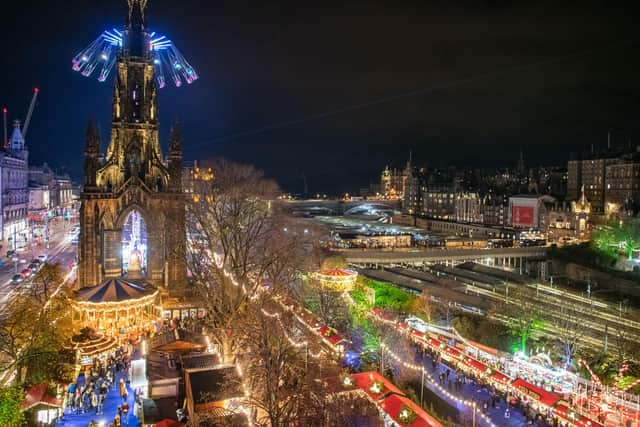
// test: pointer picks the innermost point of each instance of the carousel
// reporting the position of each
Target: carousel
(337, 279)
(118, 308)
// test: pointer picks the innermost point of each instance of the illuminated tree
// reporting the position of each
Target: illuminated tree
(239, 240)
(281, 366)
(32, 336)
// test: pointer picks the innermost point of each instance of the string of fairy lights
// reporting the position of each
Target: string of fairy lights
(418, 368)
(294, 343)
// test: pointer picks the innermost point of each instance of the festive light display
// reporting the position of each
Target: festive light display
(418, 368)
(101, 56)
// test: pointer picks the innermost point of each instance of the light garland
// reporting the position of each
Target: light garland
(419, 368)
(291, 341)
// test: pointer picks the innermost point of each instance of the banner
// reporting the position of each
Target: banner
(522, 216)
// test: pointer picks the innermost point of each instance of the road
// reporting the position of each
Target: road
(60, 250)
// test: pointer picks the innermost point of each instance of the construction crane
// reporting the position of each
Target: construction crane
(5, 142)
(27, 120)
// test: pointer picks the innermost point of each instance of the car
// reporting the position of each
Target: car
(26, 273)
(43, 258)
(10, 253)
(35, 261)
(17, 278)
(34, 267)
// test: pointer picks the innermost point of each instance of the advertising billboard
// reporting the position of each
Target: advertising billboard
(522, 216)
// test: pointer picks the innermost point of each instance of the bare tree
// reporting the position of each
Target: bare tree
(521, 313)
(46, 280)
(239, 239)
(570, 326)
(280, 365)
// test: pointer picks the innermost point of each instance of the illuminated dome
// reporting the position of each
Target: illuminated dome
(337, 278)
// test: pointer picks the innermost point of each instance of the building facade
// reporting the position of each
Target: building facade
(592, 174)
(622, 186)
(14, 188)
(132, 204)
(467, 208)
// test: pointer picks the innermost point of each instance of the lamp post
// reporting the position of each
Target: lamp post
(422, 388)
(474, 415)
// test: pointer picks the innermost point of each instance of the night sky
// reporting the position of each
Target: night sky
(336, 90)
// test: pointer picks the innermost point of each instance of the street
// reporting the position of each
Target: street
(60, 250)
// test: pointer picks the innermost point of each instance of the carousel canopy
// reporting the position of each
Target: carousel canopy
(114, 290)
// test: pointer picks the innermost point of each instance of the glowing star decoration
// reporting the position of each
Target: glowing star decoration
(102, 54)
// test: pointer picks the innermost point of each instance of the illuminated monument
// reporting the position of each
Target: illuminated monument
(132, 214)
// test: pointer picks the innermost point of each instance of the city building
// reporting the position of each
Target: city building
(132, 204)
(467, 207)
(564, 220)
(526, 211)
(39, 199)
(415, 185)
(439, 201)
(14, 188)
(590, 173)
(60, 188)
(622, 190)
(393, 182)
(493, 210)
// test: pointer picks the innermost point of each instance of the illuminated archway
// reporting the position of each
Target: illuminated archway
(134, 246)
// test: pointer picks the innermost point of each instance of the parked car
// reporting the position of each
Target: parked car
(34, 267)
(10, 253)
(26, 273)
(43, 258)
(17, 278)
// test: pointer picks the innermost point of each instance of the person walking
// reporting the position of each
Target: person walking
(123, 390)
(125, 413)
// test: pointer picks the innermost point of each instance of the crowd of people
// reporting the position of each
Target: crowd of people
(88, 393)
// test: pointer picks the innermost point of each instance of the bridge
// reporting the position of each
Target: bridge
(507, 257)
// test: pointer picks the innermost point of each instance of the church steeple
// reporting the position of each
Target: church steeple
(175, 158)
(136, 41)
(91, 154)
(134, 148)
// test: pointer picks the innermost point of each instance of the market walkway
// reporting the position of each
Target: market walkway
(472, 391)
(110, 410)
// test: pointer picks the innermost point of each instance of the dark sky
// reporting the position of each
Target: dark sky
(335, 90)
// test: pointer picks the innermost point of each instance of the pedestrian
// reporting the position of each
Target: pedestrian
(507, 413)
(123, 390)
(94, 401)
(485, 407)
(125, 414)
(448, 372)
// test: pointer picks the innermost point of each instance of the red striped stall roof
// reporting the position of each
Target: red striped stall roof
(475, 364)
(393, 404)
(364, 380)
(578, 420)
(536, 393)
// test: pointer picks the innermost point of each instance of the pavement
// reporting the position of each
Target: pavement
(471, 391)
(110, 410)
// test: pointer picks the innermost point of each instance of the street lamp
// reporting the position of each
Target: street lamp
(422, 389)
